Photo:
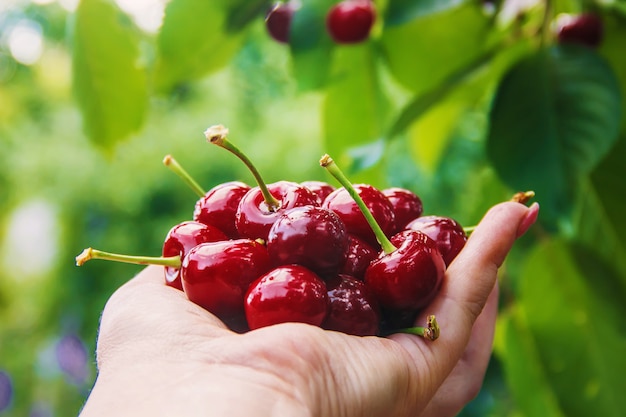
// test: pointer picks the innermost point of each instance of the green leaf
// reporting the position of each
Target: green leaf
(555, 116)
(194, 41)
(401, 11)
(108, 81)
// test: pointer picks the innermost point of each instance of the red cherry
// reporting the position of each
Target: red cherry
(310, 236)
(278, 21)
(219, 205)
(353, 309)
(350, 21)
(446, 232)
(409, 277)
(320, 188)
(290, 293)
(255, 218)
(181, 239)
(347, 209)
(358, 257)
(406, 205)
(217, 275)
(585, 29)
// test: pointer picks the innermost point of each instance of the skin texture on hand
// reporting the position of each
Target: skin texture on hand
(159, 354)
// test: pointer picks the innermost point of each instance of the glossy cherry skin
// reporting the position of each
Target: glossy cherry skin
(358, 257)
(353, 309)
(320, 188)
(180, 240)
(254, 218)
(406, 205)
(409, 277)
(585, 29)
(310, 236)
(217, 275)
(289, 293)
(344, 205)
(278, 21)
(350, 21)
(219, 205)
(445, 231)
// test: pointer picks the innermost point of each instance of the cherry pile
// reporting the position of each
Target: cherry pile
(347, 22)
(351, 258)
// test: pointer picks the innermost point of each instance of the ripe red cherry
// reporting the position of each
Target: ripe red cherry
(320, 188)
(347, 209)
(310, 236)
(406, 205)
(409, 277)
(353, 309)
(217, 275)
(255, 218)
(219, 206)
(446, 232)
(585, 29)
(278, 21)
(290, 293)
(181, 239)
(358, 257)
(350, 21)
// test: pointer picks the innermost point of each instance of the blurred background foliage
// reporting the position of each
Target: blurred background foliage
(463, 102)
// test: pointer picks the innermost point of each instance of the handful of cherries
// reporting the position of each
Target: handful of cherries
(353, 259)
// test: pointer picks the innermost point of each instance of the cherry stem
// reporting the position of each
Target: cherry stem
(327, 162)
(175, 167)
(90, 253)
(217, 136)
(430, 332)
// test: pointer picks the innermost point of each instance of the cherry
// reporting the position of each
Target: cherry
(320, 188)
(181, 239)
(217, 275)
(310, 236)
(358, 257)
(353, 309)
(406, 205)
(350, 21)
(584, 29)
(341, 202)
(218, 206)
(289, 293)
(445, 231)
(278, 21)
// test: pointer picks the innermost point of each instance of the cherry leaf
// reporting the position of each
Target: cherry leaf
(401, 11)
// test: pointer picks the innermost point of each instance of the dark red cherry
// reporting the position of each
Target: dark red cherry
(219, 205)
(255, 218)
(409, 277)
(350, 21)
(217, 275)
(446, 232)
(310, 236)
(353, 309)
(320, 188)
(278, 21)
(181, 239)
(347, 209)
(359, 256)
(584, 29)
(290, 293)
(406, 205)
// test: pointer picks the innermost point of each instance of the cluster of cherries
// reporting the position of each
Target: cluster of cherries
(353, 259)
(348, 21)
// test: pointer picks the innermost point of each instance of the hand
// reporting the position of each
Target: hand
(159, 354)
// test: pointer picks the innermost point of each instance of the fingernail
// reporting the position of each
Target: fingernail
(529, 219)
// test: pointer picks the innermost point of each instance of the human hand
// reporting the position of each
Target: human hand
(159, 354)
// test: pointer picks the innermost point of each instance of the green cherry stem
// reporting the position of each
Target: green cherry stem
(90, 253)
(217, 135)
(431, 331)
(175, 167)
(327, 162)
